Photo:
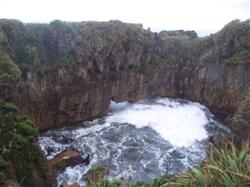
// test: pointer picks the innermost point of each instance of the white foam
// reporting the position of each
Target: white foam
(84, 131)
(118, 106)
(180, 124)
(57, 147)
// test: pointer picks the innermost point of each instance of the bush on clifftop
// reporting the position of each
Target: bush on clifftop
(230, 45)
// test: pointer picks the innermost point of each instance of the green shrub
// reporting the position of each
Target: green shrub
(98, 168)
(18, 146)
(27, 121)
(27, 129)
(22, 54)
(8, 107)
(5, 77)
(9, 71)
(2, 162)
(3, 177)
(20, 152)
(2, 38)
(226, 166)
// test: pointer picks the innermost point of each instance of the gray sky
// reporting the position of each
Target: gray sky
(203, 16)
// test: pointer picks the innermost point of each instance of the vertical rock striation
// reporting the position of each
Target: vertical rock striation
(54, 104)
(71, 71)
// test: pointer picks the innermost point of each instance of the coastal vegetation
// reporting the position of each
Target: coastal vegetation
(41, 62)
(103, 46)
(20, 157)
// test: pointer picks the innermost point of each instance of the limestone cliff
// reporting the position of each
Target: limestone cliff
(71, 71)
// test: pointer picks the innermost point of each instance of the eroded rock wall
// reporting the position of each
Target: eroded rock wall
(54, 104)
(63, 73)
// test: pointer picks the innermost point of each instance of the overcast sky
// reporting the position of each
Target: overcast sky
(204, 16)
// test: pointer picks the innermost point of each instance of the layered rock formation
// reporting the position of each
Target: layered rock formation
(71, 71)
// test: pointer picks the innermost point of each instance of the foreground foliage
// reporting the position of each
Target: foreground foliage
(227, 166)
(20, 157)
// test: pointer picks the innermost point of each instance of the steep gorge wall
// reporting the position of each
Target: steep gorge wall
(71, 71)
(220, 87)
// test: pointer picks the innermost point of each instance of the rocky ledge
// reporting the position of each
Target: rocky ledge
(65, 159)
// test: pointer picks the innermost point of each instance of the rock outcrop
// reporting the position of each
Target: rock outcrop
(59, 163)
(218, 86)
(240, 123)
(65, 159)
(71, 71)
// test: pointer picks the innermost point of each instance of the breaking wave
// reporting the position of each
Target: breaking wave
(137, 141)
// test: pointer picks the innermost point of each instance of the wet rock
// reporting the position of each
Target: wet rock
(65, 159)
(65, 140)
(177, 154)
(63, 137)
(87, 160)
(96, 174)
(49, 150)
